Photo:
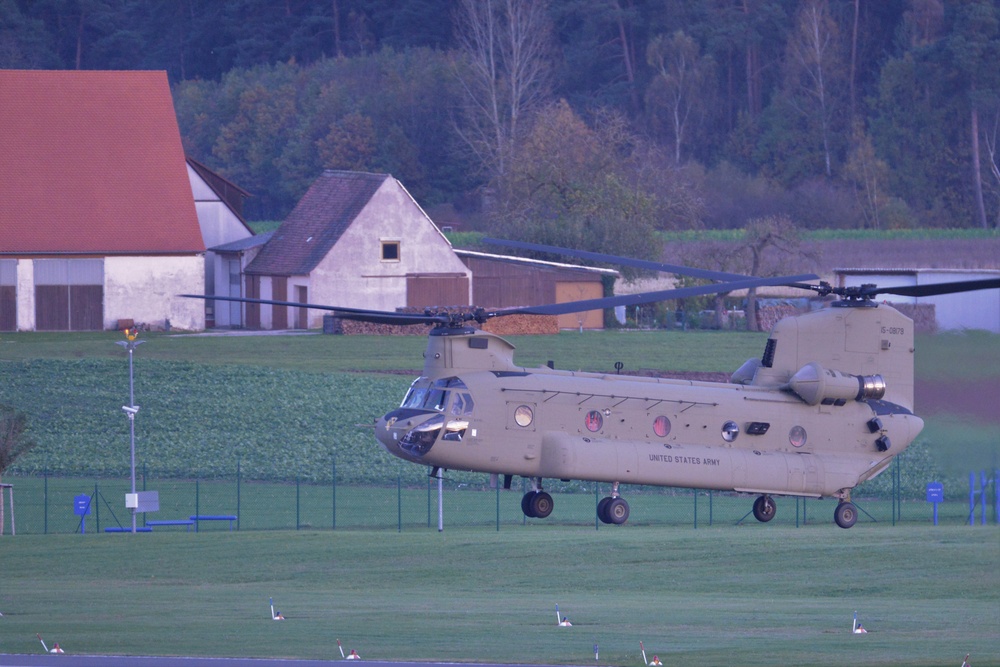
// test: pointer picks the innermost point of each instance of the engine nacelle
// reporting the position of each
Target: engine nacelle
(815, 384)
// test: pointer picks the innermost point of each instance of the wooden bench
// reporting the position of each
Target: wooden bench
(214, 517)
(171, 522)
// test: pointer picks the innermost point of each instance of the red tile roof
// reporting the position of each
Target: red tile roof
(91, 163)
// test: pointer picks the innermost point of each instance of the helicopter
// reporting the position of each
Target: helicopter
(827, 406)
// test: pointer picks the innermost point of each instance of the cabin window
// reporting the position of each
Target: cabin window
(594, 421)
(390, 251)
(523, 415)
(661, 426)
(730, 431)
(797, 436)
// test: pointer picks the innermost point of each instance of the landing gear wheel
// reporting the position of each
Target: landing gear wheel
(541, 505)
(764, 509)
(616, 511)
(526, 504)
(845, 515)
(602, 509)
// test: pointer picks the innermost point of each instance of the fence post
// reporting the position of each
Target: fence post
(239, 480)
(498, 505)
(97, 508)
(333, 472)
(197, 503)
(45, 503)
(399, 502)
(696, 509)
(298, 503)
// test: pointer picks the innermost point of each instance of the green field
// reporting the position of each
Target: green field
(719, 595)
(757, 595)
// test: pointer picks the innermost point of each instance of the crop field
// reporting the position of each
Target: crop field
(288, 407)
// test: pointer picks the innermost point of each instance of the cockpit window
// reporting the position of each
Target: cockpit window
(435, 397)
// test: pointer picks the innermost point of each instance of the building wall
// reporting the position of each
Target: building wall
(354, 275)
(145, 289)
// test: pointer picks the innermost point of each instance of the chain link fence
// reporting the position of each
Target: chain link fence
(54, 504)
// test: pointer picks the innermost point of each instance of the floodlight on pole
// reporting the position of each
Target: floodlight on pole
(130, 343)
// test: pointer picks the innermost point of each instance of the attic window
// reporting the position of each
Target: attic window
(390, 251)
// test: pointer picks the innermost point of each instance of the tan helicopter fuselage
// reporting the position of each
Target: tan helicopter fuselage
(808, 420)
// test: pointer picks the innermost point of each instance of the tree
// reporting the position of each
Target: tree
(14, 442)
(813, 62)
(568, 188)
(679, 88)
(504, 72)
(868, 175)
(761, 236)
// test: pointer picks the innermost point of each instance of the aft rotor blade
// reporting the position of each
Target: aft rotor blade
(645, 297)
(939, 288)
(644, 264)
(358, 314)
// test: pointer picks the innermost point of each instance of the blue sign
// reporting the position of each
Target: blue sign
(81, 505)
(935, 492)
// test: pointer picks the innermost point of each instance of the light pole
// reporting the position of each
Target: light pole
(131, 409)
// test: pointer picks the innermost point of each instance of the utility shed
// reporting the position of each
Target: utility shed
(502, 281)
(357, 240)
(962, 310)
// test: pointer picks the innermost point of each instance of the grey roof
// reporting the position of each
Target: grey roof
(240, 245)
(316, 223)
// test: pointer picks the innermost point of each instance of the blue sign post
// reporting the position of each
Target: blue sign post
(935, 494)
(81, 508)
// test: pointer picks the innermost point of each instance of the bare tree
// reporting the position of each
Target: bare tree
(13, 443)
(868, 174)
(679, 88)
(504, 72)
(812, 51)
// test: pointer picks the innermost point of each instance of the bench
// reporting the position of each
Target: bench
(128, 529)
(171, 522)
(214, 517)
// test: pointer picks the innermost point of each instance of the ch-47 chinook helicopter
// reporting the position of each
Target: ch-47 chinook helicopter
(826, 407)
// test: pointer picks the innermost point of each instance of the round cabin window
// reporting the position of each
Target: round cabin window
(730, 430)
(661, 426)
(797, 436)
(594, 421)
(523, 415)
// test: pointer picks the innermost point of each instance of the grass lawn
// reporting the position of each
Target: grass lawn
(756, 595)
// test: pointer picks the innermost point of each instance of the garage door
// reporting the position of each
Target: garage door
(69, 294)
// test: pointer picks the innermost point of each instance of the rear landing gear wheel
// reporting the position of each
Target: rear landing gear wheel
(613, 510)
(764, 508)
(537, 504)
(845, 515)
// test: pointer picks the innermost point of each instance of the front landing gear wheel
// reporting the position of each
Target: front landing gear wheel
(764, 509)
(845, 515)
(537, 504)
(613, 510)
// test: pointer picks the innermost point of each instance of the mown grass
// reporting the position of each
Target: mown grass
(757, 595)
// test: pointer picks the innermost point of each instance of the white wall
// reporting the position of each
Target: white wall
(353, 275)
(146, 289)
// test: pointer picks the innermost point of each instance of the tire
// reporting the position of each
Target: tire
(526, 504)
(617, 511)
(764, 509)
(541, 505)
(846, 515)
(602, 509)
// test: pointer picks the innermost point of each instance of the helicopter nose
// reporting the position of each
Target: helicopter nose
(409, 433)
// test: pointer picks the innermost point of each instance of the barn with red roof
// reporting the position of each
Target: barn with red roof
(98, 221)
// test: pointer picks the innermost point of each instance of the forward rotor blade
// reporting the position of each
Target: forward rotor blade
(645, 297)
(358, 314)
(645, 264)
(938, 288)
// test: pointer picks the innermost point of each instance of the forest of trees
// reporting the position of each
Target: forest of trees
(584, 122)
